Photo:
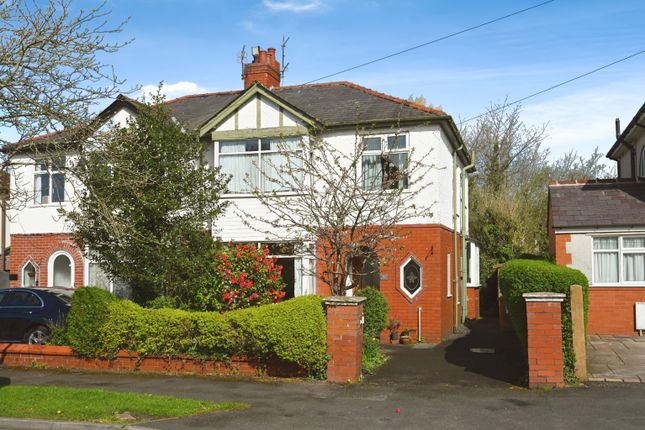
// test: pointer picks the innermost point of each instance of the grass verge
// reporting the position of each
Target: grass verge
(97, 405)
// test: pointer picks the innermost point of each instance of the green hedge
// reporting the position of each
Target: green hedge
(293, 331)
(375, 311)
(89, 311)
(517, 277)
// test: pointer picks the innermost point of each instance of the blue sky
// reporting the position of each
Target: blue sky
(193, 45)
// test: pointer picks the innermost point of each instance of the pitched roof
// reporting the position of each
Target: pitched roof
(597, 204)
(333, 103)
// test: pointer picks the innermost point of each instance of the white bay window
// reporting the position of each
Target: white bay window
(618, 259)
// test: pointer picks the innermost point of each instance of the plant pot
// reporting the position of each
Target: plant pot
(405, 340)
(393, 336)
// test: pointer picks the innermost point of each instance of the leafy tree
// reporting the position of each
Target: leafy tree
(144, 204)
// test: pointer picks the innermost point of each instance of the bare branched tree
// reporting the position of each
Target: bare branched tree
(51, 76)
(347, 203)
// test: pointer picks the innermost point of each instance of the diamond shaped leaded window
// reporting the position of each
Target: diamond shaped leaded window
(411, 277)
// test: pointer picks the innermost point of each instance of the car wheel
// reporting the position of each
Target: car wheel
(38, 335)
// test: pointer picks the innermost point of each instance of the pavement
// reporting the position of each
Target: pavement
(616, 359)
(469, 382)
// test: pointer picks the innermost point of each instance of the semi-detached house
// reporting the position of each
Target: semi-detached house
(239, 129)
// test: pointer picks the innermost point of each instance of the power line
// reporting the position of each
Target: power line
(432, 41)
(555, 86)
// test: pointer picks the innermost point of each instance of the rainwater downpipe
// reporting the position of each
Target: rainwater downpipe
(419, 337)
(455, 215)
(464, 242)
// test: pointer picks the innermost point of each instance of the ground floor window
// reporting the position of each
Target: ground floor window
(61, 270)
(97, 277)
(297, 268)
(618, 259)
(29, 275)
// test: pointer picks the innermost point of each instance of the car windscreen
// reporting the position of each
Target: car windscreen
(62, 297)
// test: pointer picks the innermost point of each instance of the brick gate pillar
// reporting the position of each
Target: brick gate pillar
(344, 338)
(544, 330)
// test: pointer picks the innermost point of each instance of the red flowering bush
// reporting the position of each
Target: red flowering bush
(245, 276)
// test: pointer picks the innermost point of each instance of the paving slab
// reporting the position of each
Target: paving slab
(616, 358)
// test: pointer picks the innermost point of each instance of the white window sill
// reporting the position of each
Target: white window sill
(49, 205)
(639, 284)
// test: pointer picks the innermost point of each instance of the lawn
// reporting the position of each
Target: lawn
(97, 405)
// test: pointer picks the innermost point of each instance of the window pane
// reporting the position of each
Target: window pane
(243, 169)
(372, 143)
(634, 267)
(238, 146)
(29, 276)
(605, 266)
(62, 271)
(634, 242)
(605, 243)
(42, 188)
(21, 299)
(394, 168)
(58, 187)
(280, 143)
(372, 172)
(396, 142)
(273, 179)
(97, 277)
(41, 166)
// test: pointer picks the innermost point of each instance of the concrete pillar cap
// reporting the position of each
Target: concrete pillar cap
(343, 301)
(544, 297)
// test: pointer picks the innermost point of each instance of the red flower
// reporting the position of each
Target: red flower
(227, 295)
(253, 297)
(223, 257)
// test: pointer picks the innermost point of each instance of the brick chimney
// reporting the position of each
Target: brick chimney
(264, 69)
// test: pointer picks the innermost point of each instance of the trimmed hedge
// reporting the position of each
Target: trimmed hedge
(517, 277)
(375, 310)
(88, 312)
(293, 331)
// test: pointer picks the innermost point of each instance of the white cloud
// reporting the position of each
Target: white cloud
(172, 91)
(293, 5)
(584, 120)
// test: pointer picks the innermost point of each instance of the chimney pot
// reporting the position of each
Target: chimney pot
(264, 69)
(617, 128)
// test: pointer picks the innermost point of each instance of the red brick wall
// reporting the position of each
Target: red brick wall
(544, 328)
(429, 245)
(38, 248)
(473, 303)
(344, 342)
(562, 257)
(611, 310)
(62, 357)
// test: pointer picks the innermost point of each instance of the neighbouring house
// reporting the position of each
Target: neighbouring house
(598, 227)
(237, 127)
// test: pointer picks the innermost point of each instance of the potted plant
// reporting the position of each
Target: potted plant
(405, 336)
(393, 327)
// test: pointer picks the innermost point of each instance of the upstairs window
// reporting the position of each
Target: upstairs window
(49, 182)
(385, 162)
(257, 163)
(641, 171)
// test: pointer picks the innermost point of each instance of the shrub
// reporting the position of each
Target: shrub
(293, 331)
(88, 312)
(162, 302)
(373, 358)
(244, 276)
(375, 311)
(524, 276)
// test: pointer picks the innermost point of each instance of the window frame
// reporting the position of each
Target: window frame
(50, 269)
(258, 160)
(621, 251)
(385, 151)
(641, 169)
(50, 170)
(22, 274)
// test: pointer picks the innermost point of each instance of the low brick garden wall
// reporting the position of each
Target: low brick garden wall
(47, 356)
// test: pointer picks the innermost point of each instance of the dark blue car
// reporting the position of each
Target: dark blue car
(28, 314)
